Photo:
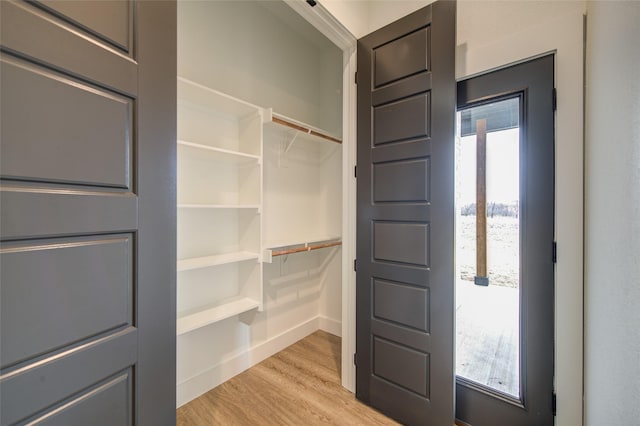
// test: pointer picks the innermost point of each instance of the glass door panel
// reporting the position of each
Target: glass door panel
(488, 246)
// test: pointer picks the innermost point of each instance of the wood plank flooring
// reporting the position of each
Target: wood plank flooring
(297, 386)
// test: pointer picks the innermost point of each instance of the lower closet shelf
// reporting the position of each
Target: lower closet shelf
(205, 316)
(219, 259)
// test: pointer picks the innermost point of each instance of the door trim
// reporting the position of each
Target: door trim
(334, 30)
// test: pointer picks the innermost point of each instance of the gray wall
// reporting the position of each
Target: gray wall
(612, 258)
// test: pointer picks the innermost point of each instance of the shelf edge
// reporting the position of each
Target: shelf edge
(223, 259)
(214, 314)
(195, 145)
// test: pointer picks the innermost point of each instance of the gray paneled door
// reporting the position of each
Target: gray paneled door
(87, 212)
(405, 225)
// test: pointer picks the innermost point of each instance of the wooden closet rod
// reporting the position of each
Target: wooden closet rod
(304, 129)
(307, 247)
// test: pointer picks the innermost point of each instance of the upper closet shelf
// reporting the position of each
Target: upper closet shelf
(220, 154)
(199, 94)
(299, 128)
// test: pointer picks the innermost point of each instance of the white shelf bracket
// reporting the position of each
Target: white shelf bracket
(290, 144)
(267, 256)
(287, 144)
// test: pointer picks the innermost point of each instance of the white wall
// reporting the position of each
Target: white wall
(361, 17)
(612, 355)
(385, 12)
(490, 35)
(353, 14)
(266, 55)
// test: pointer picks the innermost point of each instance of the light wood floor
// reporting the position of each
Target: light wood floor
(297, 386)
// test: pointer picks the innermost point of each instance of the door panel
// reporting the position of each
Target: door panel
(87, 213)
(34, 33)
(48, 152)
(55, 379)
(102, 211)
(401, 303)
(401, 242)
(65, 279)
(406, 108)
(104, 405)
(402, 366)
(532, 84)
(402, 333)
(406, 87)
(111, 20)
(404, 170)
(401, 57)
(404, 119)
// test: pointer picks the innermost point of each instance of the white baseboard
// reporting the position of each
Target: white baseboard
(330, 325)
(226, 369)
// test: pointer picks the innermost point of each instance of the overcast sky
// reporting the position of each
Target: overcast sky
(502, 168)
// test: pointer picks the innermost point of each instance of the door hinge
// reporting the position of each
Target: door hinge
(555, 99)
(355, 264)
(554, 253)
(355, 77)
(355, 171)
(355, 359)
(554, 403)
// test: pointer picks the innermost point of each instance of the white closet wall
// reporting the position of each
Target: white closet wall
(264, 53)
(249, 186)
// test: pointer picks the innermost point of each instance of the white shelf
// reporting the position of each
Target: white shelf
(221, 154)
(199, 318)
(219, 206)
(207, 97)
(215, 260)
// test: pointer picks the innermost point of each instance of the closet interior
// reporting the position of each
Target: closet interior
(260, 182)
